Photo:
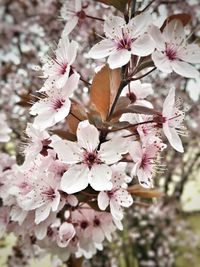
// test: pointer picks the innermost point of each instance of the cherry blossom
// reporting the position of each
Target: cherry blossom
(172, 117)
(43, 196)
(73, 14)
(4, 129)
(56, 106)
(144, 156)
(118, 197)
(173, 53)
(58, 69)
(65, 234)
(123, 40)
(89, 165)
(137, 92)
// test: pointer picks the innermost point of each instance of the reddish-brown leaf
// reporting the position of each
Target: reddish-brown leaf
(77, 114)
(103, 90)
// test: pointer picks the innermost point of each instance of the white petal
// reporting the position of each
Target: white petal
(116, 210)
(135, 151)
(143, 46)
(42, 213)
(140, 23)
(168, 105)
(88, 136)
(184, 69)
(75, 179)
(71, 84)
(100, 176)
(190, 53)
(70, 25)
(155, 33)
(61, 81)
(62, 112)
(103, 200)
(68, 152)
(103, 49)
(174, 32)
(44, 120)
(124, 198)
(119, 58)
(162, 62)
(72, 51)
(112, 150)
(173, 138)
(113, 26)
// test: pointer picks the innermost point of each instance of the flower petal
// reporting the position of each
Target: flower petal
(168, 105)
(184, 69)
(113, 27)
(155, 33)
(162, 62)
(119, 58)
(100, 176)
(143, 46)
(88, 136)
(139, 24)
(103, 200)
(190, 53)
(173, 138)
(112, 150)
(69, 152)
(75, 179)
(102, 49)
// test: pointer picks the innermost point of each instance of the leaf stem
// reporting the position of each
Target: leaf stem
(91, 17)
(142, 76)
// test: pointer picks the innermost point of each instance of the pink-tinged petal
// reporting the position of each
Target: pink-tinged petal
(184, 69)
(97, 235)
(124, 198)
(118, 224)
(61, 51)
(119, 58)
(168, 105)
(69, 152)
(145, 177)
(62, 80)
(72, 51)
(88, 136)
(155, 33)
(143, 46)
(102, 49)
(162, 62)
(99, 177)
(139, 24)
(42, 213)
(113, 27)
(144, 103)
(40, 231)
(173, 138)
(75, 179)
(71, 84)
(112, 150)
(174, 32)
(135, 150)
(55, 203)
(62, 112)
(44, 120)
(103, 200)
(78, 5)
(116, 210)
(65, 234)
(70, 25)
(190, 53)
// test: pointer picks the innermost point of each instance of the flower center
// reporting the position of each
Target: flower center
(171, 52)
(57, 103)
(81, 14)
(132, 97)
(84, 224)
(63, 68)
(159, 119)
(91, 158)
(49, 193)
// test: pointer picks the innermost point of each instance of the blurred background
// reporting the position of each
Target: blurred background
(157, 233)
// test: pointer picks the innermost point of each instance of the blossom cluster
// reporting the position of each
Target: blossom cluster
(81, 165)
